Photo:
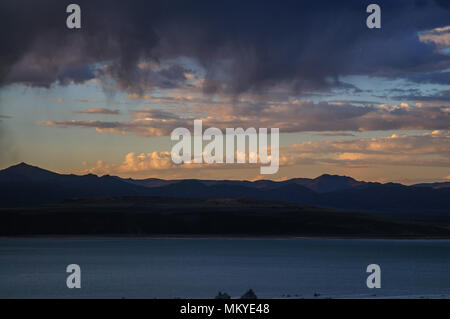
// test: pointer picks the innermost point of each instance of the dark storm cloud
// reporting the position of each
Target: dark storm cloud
(243, 45)
(140, 79)
(76, 75)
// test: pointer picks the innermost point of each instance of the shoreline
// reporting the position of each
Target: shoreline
(218, 237)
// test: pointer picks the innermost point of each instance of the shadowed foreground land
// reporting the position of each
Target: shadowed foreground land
(154, 216)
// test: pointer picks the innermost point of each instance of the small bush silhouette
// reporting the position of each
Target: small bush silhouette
(221, 295)
(250, 294)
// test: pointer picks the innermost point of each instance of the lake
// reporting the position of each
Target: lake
(199, 268)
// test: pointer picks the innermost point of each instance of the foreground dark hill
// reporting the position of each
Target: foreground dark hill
(434, 185)
(162, 216)
(390, 197)
(28, 185)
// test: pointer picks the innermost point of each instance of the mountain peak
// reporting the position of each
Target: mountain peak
(336, 177)
(23, 165)
(26, 170)
(328, 183)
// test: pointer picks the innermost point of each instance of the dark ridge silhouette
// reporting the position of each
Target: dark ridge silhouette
(328, 183)
(25, 172)
(23, 184)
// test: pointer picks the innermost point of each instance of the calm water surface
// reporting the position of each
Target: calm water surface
(199, 268)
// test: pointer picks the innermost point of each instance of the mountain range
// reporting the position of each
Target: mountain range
(34, 201)
(23, 185)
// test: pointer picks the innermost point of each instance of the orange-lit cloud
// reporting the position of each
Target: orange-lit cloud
(438, 36)
(429, 149)
(135, 163)
(426, 150)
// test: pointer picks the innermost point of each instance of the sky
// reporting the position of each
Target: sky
(373, 104)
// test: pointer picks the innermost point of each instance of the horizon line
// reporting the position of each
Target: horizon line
(206, 179)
